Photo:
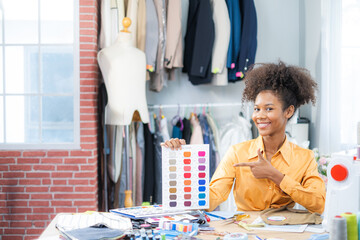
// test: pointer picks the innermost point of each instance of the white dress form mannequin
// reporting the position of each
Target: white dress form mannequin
(124, 70)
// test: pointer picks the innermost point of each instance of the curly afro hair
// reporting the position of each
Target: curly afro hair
(293, 85)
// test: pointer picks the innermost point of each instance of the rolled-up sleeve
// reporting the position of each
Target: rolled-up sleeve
(222, 180)
(310, 192)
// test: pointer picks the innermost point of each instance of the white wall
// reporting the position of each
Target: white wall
(287, 30)
(310, 58)
(278, 38)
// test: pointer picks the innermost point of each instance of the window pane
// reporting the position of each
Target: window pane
(58, 119)
(57, 21)
(1, 119)
(32, 119)
(21, 69)
(1, 26)
(57, 69)
(1, 71)
(21, 21)
(22, 119)
(348, 94)
(350, 19)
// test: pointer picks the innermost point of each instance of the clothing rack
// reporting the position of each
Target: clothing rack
(245, 106)
(194, 105)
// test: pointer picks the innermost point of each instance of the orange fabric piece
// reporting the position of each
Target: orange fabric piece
(301, 182)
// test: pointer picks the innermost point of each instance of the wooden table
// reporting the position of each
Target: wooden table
(50, 233)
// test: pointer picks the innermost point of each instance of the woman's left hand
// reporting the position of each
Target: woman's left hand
(262, 168)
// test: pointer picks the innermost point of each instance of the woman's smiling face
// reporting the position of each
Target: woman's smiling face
(268, 115)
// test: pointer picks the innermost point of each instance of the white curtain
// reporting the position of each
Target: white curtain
(339, 108)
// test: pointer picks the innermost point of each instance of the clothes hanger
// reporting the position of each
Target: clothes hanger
(177, 118)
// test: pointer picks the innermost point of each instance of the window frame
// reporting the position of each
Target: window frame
(76, 88)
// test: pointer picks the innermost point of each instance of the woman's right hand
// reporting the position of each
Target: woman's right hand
(174, 143)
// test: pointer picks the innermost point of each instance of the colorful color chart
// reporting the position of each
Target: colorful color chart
(185, 177)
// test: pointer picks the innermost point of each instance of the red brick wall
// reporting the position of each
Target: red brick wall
(36, 185)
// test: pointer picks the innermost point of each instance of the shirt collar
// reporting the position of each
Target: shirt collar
(285, 149)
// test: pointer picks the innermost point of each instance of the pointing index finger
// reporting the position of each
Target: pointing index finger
(245, 164)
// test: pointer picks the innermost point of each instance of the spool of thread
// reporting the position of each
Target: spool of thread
(236, 236)
(338, 229)
(352, 226)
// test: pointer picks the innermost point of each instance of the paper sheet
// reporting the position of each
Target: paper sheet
(83, 220)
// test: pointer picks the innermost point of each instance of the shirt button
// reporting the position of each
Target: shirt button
(270, 187)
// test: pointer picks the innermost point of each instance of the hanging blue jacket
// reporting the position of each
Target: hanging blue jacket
(248, 43)
(235, 37)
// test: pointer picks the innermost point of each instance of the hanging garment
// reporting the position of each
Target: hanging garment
(164, 129)
(157, 78)
(248, 38)
(214, 138)
(108, 12)
(139, 163)
(221, 42)
(235, 37)
(132, 13)
(141, 25)
(149, 165)
(152, 35)
(115, 139)
(104, 150)
(173, 50)
(120, 186)
(158, 139)
(236, 131)
(214, 130)
(118, 18)
(208, 139)
(187, 130)
(133, 184)
(199, 41)
(177, 130)
(184, 18)
(196, 136)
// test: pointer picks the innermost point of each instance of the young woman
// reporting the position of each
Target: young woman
(270, 171)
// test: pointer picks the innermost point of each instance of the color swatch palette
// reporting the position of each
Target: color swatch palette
(185, 177)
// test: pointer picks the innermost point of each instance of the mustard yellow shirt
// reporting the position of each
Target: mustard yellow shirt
(301, 182)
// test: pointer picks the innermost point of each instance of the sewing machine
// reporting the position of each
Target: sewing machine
(343, 188)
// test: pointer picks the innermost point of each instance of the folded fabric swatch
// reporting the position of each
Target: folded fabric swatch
(286, 215)
(96, 232)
